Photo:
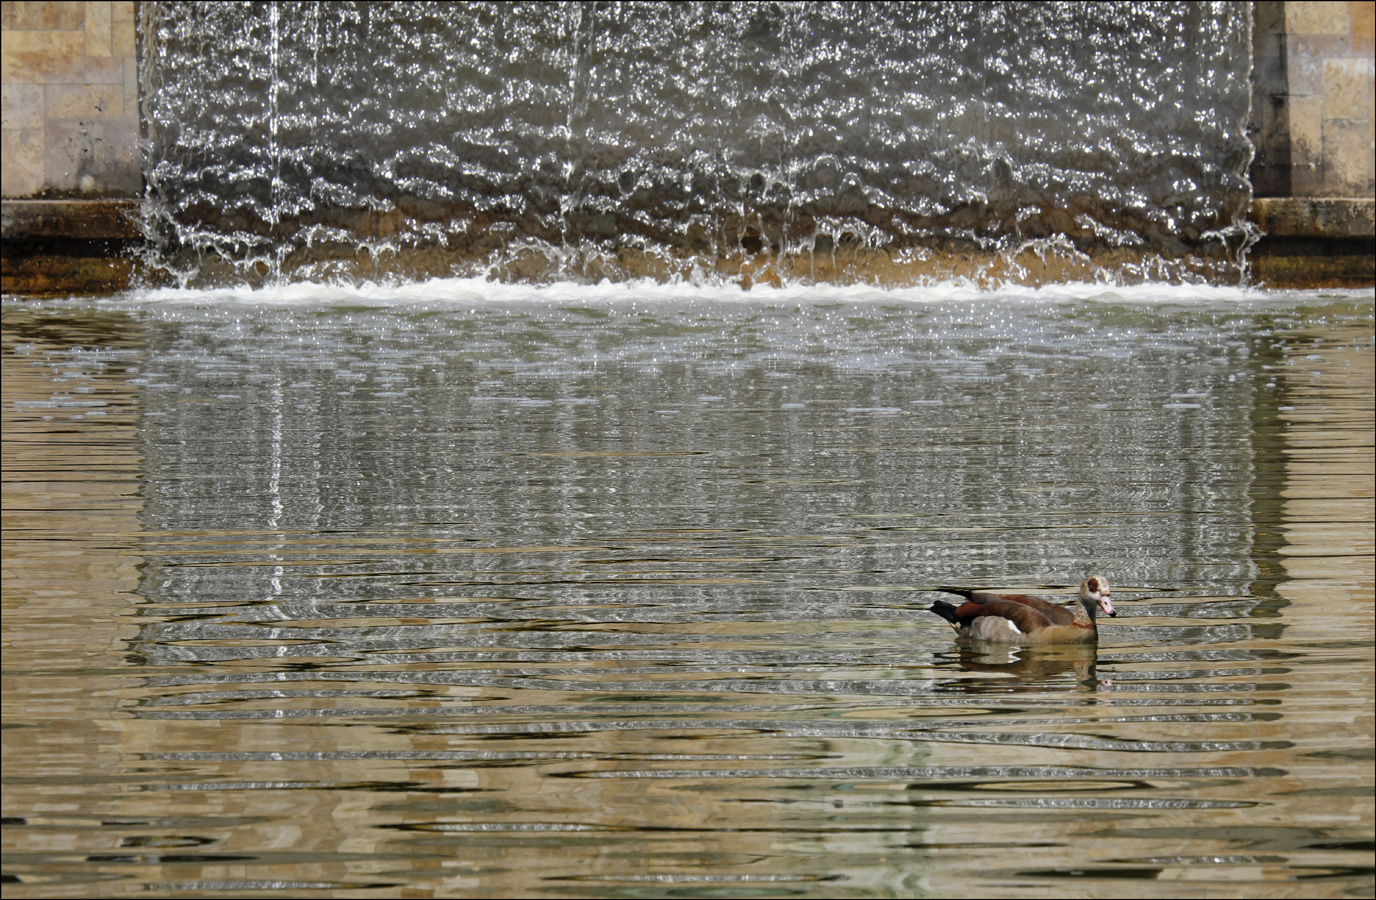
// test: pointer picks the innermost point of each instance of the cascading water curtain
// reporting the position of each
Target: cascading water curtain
(888, 144)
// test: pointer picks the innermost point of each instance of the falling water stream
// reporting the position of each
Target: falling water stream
(887, 144)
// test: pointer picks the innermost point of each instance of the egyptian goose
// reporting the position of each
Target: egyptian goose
(1019, 619)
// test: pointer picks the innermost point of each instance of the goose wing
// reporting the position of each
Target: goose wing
(1027, 618)
(1052, 613)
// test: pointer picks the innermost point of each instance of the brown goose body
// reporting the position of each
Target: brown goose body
(1020, 619)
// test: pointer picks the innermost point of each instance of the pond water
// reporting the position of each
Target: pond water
(461, 589)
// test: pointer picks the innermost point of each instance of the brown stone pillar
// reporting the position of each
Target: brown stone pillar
(71, 169)
(1312, 122)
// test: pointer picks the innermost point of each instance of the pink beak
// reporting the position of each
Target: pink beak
(1106, 605)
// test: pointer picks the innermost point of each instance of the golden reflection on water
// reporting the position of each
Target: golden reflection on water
(493, 744)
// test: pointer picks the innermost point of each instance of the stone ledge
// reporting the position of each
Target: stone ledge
(1315, 217)
(92, 220)
(95, 268)
(89, 246)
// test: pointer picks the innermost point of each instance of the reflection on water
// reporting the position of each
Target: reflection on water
(620, 597)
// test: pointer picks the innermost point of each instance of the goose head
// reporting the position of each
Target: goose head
(1095, 595)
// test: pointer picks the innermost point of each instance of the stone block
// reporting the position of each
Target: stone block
(1311, 263)
(1270, 170)
(1267, 47)
(23, 271)
(131, 86)
(104, 70)
(21, 162)
(1306, 76)
(1315, 217)
(122, 38)
(1306, 131)
(1269, 122)
(23, 16)
(98, 29)
(1363, 24)
(1316, 18)
(92, 157)
(1306, 181)
(1270, 74)
(1321, 45)
(36, 220)
(22, 105)
(85, 101)
(1268, 17)
(1346, 157)
(43, 57)
(1345, 88)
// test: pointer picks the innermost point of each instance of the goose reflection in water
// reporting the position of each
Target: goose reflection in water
(1025, 668)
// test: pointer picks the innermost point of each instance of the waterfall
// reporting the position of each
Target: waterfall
(888, 144)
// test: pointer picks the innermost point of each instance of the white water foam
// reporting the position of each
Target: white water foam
(459, 292)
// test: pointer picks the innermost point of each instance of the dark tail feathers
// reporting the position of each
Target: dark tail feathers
(946, 610)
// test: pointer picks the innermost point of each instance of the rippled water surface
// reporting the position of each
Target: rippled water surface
(572, 592)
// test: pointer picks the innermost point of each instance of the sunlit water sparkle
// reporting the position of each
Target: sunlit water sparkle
(619, 590)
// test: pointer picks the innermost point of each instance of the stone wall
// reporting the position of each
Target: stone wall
(70, 90)
(1313, 97)
(1314, 127)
